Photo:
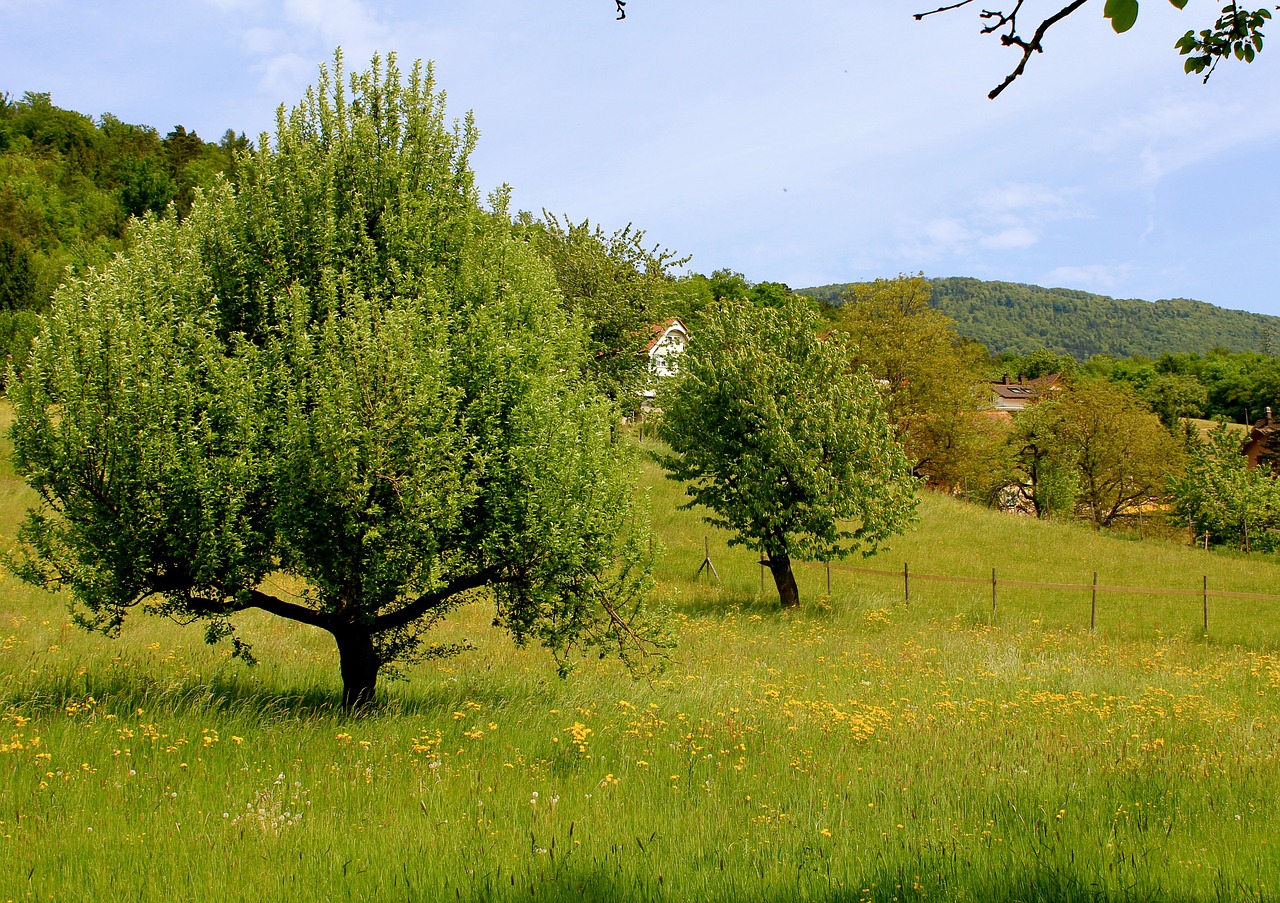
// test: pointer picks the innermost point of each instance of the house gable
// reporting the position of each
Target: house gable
(669, 341)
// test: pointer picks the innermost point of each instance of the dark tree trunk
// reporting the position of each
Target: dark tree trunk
(788, 592)
(359, 664)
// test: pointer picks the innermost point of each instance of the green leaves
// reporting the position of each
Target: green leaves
(1222, 495)
(1122, 13)
(781, 440)
(345, 369)
(931, 381)
(1237, 33)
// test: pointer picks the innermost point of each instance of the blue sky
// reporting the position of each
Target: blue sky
(802, 142)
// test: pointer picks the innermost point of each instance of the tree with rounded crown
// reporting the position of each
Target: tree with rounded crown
(347, 370)
(784, 442)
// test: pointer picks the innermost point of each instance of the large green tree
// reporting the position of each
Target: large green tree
(783, 441)
(1121, 454)
(345, 369)
(932, 379)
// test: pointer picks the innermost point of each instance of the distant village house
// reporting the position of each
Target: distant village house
(1262, 448)
(1009, 396)
(667, 342)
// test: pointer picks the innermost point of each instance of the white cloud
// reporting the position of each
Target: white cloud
(261, 41)
(1004, 217)
(1097, 276)
(1010, 239)
(284, 40)
(349, 23)
(283, 74)
(1174, 131)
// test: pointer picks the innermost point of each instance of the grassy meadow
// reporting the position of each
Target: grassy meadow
(858, 749)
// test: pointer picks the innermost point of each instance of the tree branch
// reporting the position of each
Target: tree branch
(942, 9)
(1032, 46)
(402, 617)
(290, 610)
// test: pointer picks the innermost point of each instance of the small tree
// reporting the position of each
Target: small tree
(1044, 463)
(783, 441)
(1222, 495)
(1123, 455)
(345, 370)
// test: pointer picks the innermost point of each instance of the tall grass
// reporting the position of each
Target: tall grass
(855, 750)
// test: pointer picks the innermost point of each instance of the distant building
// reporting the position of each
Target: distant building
(1262, 448)
(1014, 396)
(667, 342)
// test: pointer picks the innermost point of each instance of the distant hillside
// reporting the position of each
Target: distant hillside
(1010, 316)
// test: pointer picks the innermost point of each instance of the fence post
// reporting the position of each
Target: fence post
(1206, 603)
(828, 579)
(993, 595)
(1093, 608)
(906, 586)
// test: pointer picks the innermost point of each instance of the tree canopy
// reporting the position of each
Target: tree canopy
(616, 286)
(1009, 317)
(782, 440)
(1097, 446)
(932, 380)
(1221, 495)
(344, 369)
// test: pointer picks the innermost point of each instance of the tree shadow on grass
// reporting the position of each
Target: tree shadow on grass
(721, 603)
(123, 693)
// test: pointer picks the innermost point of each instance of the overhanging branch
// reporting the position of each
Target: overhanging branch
(1032, 46)
(403, 617)
(290, 610)
(997, 20)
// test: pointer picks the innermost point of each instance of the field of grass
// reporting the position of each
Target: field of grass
(855, 750)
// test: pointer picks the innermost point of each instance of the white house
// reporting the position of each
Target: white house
(669, 341)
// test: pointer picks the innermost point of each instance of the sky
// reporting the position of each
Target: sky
(802, 142)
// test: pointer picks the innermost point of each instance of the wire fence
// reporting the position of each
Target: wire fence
(907, 577)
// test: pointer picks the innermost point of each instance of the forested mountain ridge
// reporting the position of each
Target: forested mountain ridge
(1017, 318)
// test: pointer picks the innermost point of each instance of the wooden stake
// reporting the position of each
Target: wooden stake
(993, 595)
(906, 585)
(706, 561)
(1093, 609)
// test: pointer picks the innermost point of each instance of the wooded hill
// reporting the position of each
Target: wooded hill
(1016, 318)
(70, 183)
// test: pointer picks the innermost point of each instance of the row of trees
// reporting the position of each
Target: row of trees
(1099, 446)
(70, 185)
(1018, 319)
(342, 365)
